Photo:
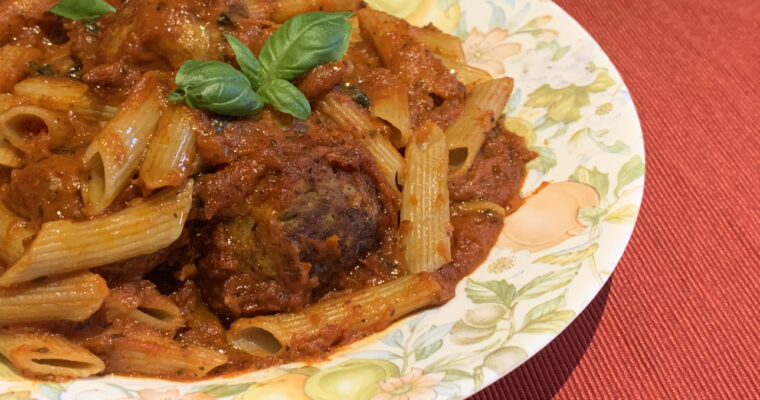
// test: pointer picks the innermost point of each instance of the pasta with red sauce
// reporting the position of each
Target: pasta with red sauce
(181, 177)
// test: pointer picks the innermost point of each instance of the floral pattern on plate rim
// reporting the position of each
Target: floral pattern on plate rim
(572, 108)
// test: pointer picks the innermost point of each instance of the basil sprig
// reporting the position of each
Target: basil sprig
(81, 9)
(285, 97)
(216, 87)
(303, 42)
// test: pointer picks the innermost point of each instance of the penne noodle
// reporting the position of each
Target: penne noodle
(14, 231)
(352, 117)
(466, 135)
(116, 152)
(467, 74)
(10, 156)
(159, 357)
(160, 314)
(286, 9)
(199, 164)
(72, 298)
(8, 100)
(63, 246)
(45, 356)
(382, 28)
(61, 94)
(479, 206)
(364, 309)
(148, 307)
(171, 154)
(18, 124)
(391, 104)
(425, 201)
(443, 45)
(356, 36)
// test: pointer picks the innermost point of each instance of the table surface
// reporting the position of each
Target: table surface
(680, 317)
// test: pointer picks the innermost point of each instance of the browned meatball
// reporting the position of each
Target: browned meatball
(319, 215)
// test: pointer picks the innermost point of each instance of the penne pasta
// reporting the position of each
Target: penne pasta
(286, 9)
(147, 307)
(44, 356)
(159, 313)
(63, 246)
(61, 94)
(467, 74)
(14, 231)
(160, 357)
(10, 156)
(391, 104)
(361, 310)
(466, 135)
(443, 45)
(18, 124)
(16, 64)
(72, 298)
(382, 28)
(8, 100)
(356, 36)
(116, 152)
(425, 201)
(479, 206)
(171, 154)
(352, 117)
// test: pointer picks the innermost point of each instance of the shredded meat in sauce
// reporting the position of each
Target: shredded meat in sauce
(285, 211)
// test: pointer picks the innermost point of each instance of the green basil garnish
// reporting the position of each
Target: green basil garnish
(44, 70)
(247, 61)
(285, 97)
(216, 87)
(303, 42)
(81, 9)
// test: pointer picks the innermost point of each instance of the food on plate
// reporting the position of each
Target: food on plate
(235, 184)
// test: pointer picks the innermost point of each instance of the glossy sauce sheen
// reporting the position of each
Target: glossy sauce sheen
(286, 211)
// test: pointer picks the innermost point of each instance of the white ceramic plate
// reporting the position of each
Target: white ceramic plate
(553, 257)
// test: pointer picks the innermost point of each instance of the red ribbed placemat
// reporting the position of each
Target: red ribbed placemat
(681, 315)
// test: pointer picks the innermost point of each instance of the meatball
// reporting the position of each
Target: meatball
(334, 222)
(320, 214)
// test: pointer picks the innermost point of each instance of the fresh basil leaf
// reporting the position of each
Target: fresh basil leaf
(177, 95)
(247, 61)
(305, 41)
(287, 98)
(81, 9)
(216, 87)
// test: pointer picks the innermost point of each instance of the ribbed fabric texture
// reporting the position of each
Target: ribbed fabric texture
(680, 318)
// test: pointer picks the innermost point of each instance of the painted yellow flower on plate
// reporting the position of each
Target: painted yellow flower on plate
(421, 12)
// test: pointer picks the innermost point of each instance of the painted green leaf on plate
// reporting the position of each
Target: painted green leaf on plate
(623, 215)
(547, 282)
(490, 291)
(630, 171)
(571, 257)
(593, 177)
